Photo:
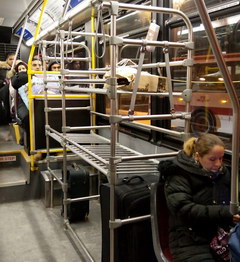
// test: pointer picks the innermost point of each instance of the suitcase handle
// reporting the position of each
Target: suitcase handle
(128, 180)
(74, 165)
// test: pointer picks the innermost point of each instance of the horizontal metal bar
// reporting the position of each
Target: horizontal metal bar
(104, 91)
(176, 94)
(87, 72)
(49, 109)
(71, 200)
(85, 81)
(161, 64)
(130, 158)
(88, 127)
(146, 117)
(162, 130)
(58, 43)
(138, 172)
(145, 42)
(87, 34)
(69, 58)
(135, 219)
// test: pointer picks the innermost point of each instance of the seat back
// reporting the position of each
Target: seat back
(159, 222)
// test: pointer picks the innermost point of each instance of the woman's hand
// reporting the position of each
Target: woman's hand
(236, 219)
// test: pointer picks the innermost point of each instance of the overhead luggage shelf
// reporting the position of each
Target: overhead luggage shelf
(95, 150)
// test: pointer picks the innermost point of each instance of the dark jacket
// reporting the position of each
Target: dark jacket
(4, 69)
(19, 80)
(198, 204)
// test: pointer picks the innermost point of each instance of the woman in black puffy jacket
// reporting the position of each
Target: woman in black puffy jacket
(197, 191)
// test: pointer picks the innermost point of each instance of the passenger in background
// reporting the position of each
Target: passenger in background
(54, 66)
(5, 74)
(75, 65)
(20, 81)
(197, 190)
(5, 69)
(20, 67)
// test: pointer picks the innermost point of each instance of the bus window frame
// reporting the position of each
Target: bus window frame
(195, 19)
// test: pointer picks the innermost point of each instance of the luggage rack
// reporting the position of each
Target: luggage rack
(91, 145)
(108, 156)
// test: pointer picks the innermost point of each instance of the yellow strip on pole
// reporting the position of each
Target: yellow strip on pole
(93, 96)
(30, 72)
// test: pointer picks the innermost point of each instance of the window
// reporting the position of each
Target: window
(210, 105)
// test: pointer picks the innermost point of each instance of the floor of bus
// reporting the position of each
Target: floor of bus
(28, 230)
(31, 232)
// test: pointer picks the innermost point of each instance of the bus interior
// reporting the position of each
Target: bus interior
(137, 79)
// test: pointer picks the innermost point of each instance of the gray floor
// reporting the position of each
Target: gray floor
(30, 232)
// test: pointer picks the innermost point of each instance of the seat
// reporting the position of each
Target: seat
(159, 222)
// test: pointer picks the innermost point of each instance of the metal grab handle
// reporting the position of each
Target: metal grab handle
(136, 82)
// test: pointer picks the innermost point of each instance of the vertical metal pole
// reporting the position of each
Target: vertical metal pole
(113, 108)
(63, 127)
(65, 9)
(47, 122)
(234, 204)
(189, 75)
(169, 79)
(19, 42)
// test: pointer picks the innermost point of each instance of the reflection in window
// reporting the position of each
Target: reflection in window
(210, 105)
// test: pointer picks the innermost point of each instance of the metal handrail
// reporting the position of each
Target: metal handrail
(234, 203)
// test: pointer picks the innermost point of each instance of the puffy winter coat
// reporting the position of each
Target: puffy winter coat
(5, 73)
(198, 204)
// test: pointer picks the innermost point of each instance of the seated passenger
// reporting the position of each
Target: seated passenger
(54, 66)
(5, 69)
(20, 83)
(5, 74)
(197, 191)
(20, 67)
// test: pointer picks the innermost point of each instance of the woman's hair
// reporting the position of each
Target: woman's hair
(51, 64)
(202, 145)
(20, 63)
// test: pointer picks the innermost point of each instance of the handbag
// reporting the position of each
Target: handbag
(234, 243)
(219, 245)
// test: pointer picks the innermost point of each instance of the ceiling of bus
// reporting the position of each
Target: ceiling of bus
(11, 11)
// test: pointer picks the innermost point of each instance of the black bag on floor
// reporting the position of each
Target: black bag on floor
(78, 186)
(133, 242)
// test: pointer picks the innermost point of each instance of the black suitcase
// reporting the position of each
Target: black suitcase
(78, 186)
(133, 242)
